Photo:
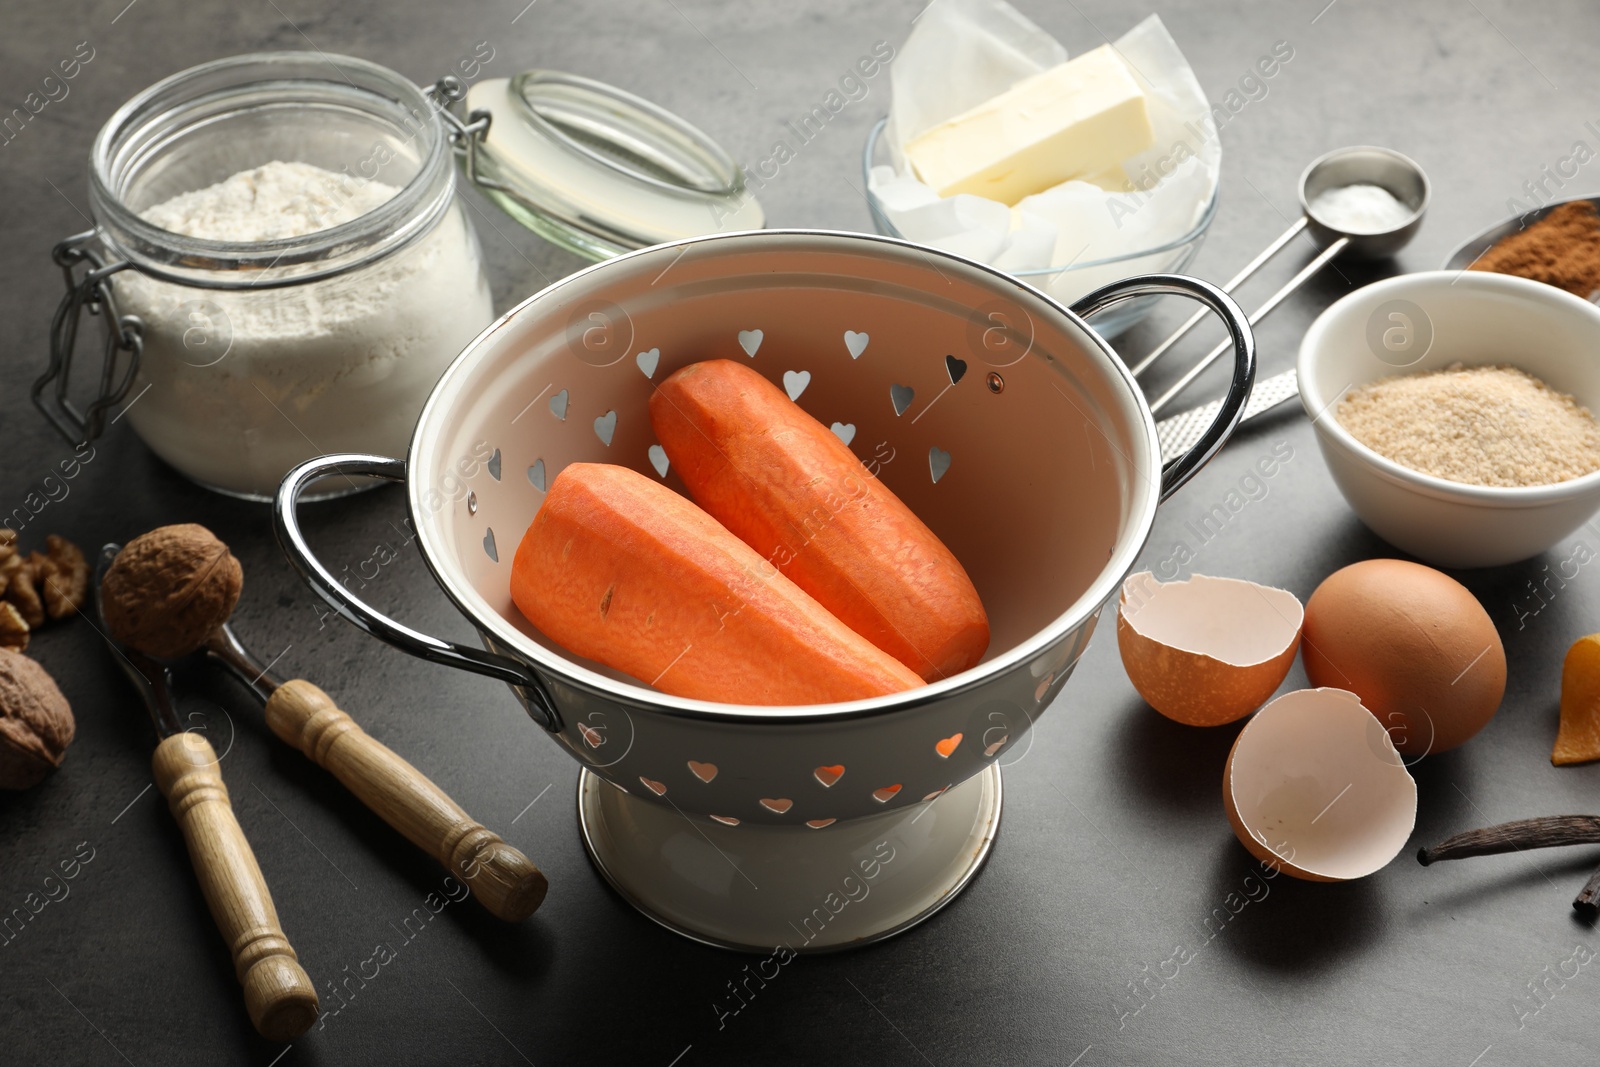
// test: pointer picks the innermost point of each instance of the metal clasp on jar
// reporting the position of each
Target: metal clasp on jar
(91, 291)
(466, 136)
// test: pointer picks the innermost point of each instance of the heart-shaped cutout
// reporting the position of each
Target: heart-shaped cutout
(828, 775)
(750, 341)
(558, 405)
(703, 771)
(901, 396)
(795, 382)
(936, 794)
(995, 746)
(489, 545)
(605, 427)
(938, 463)
(956, 368)
(886, 794)
(855, 343)
(655, 787)
(494, 465)
(777, 805)
(844, 431)
(536, 475)
(817, 824)
(591, 737)
(648, 361)
(948, 745)
(658, 460)
(726, 820)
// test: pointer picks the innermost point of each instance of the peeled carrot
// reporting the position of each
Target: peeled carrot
(794, 492)
(620, 569)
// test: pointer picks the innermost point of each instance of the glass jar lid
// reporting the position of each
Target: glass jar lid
(598, 170)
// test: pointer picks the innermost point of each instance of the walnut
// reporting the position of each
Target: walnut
(36, 723)
(51, 584)
(66, 583)
(170, 589)
(24, 594)
(13, 627)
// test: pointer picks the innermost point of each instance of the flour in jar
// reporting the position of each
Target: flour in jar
(269, 203)
(237, 386)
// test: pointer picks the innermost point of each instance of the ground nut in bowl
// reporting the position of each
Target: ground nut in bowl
(1425, 322)
(1027, 448)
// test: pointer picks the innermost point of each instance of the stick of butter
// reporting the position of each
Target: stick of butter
(1072, 121)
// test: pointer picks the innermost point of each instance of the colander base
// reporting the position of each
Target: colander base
(772, 889)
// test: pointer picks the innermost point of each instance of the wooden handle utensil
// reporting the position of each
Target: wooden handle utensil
(502, 878)
(279, 996)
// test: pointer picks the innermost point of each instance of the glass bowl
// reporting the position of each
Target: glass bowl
(1068, 282)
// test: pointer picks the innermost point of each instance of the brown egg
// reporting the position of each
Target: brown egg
(1413, 644)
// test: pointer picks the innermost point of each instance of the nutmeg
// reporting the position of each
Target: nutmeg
(36, 723)
(170, 589)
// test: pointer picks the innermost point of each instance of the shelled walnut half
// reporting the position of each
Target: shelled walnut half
(14, 629)
(66, 585)
(38, 587)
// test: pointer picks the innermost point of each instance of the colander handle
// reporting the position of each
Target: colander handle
(1185, 466)
(286, 523)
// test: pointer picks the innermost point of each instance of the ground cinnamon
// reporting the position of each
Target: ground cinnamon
(1561, 249)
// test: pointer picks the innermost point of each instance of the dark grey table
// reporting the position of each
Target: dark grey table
(1115, 852)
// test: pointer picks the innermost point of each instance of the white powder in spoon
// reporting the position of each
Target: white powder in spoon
(1360, 208)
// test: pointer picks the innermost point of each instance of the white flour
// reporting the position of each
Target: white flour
(245, 384)
(269, 203)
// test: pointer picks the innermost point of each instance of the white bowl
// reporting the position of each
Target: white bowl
(1425, 322)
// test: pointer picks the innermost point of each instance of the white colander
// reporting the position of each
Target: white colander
(996, 414)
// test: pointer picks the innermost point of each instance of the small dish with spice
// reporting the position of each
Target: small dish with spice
(1453, 410)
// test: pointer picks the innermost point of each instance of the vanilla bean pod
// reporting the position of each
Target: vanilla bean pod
(1547, 832)
(1587, 903)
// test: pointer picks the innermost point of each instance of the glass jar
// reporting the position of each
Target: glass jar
(236, 359)
(250, 356)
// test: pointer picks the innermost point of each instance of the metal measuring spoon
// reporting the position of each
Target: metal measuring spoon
(1397, 173)
(1472, 249)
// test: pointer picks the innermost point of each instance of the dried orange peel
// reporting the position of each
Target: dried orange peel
(1578, 739)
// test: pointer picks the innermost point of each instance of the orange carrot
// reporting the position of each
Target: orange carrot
(620, 569)
(790, 489)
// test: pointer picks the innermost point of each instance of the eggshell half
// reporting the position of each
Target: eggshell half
(1206, 651)
(1314, 786)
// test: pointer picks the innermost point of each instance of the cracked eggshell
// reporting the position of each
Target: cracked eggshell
(1314, 786)
(1206, 651)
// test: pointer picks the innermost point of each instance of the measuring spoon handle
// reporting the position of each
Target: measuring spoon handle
(1227, 287)
(1324, 257)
